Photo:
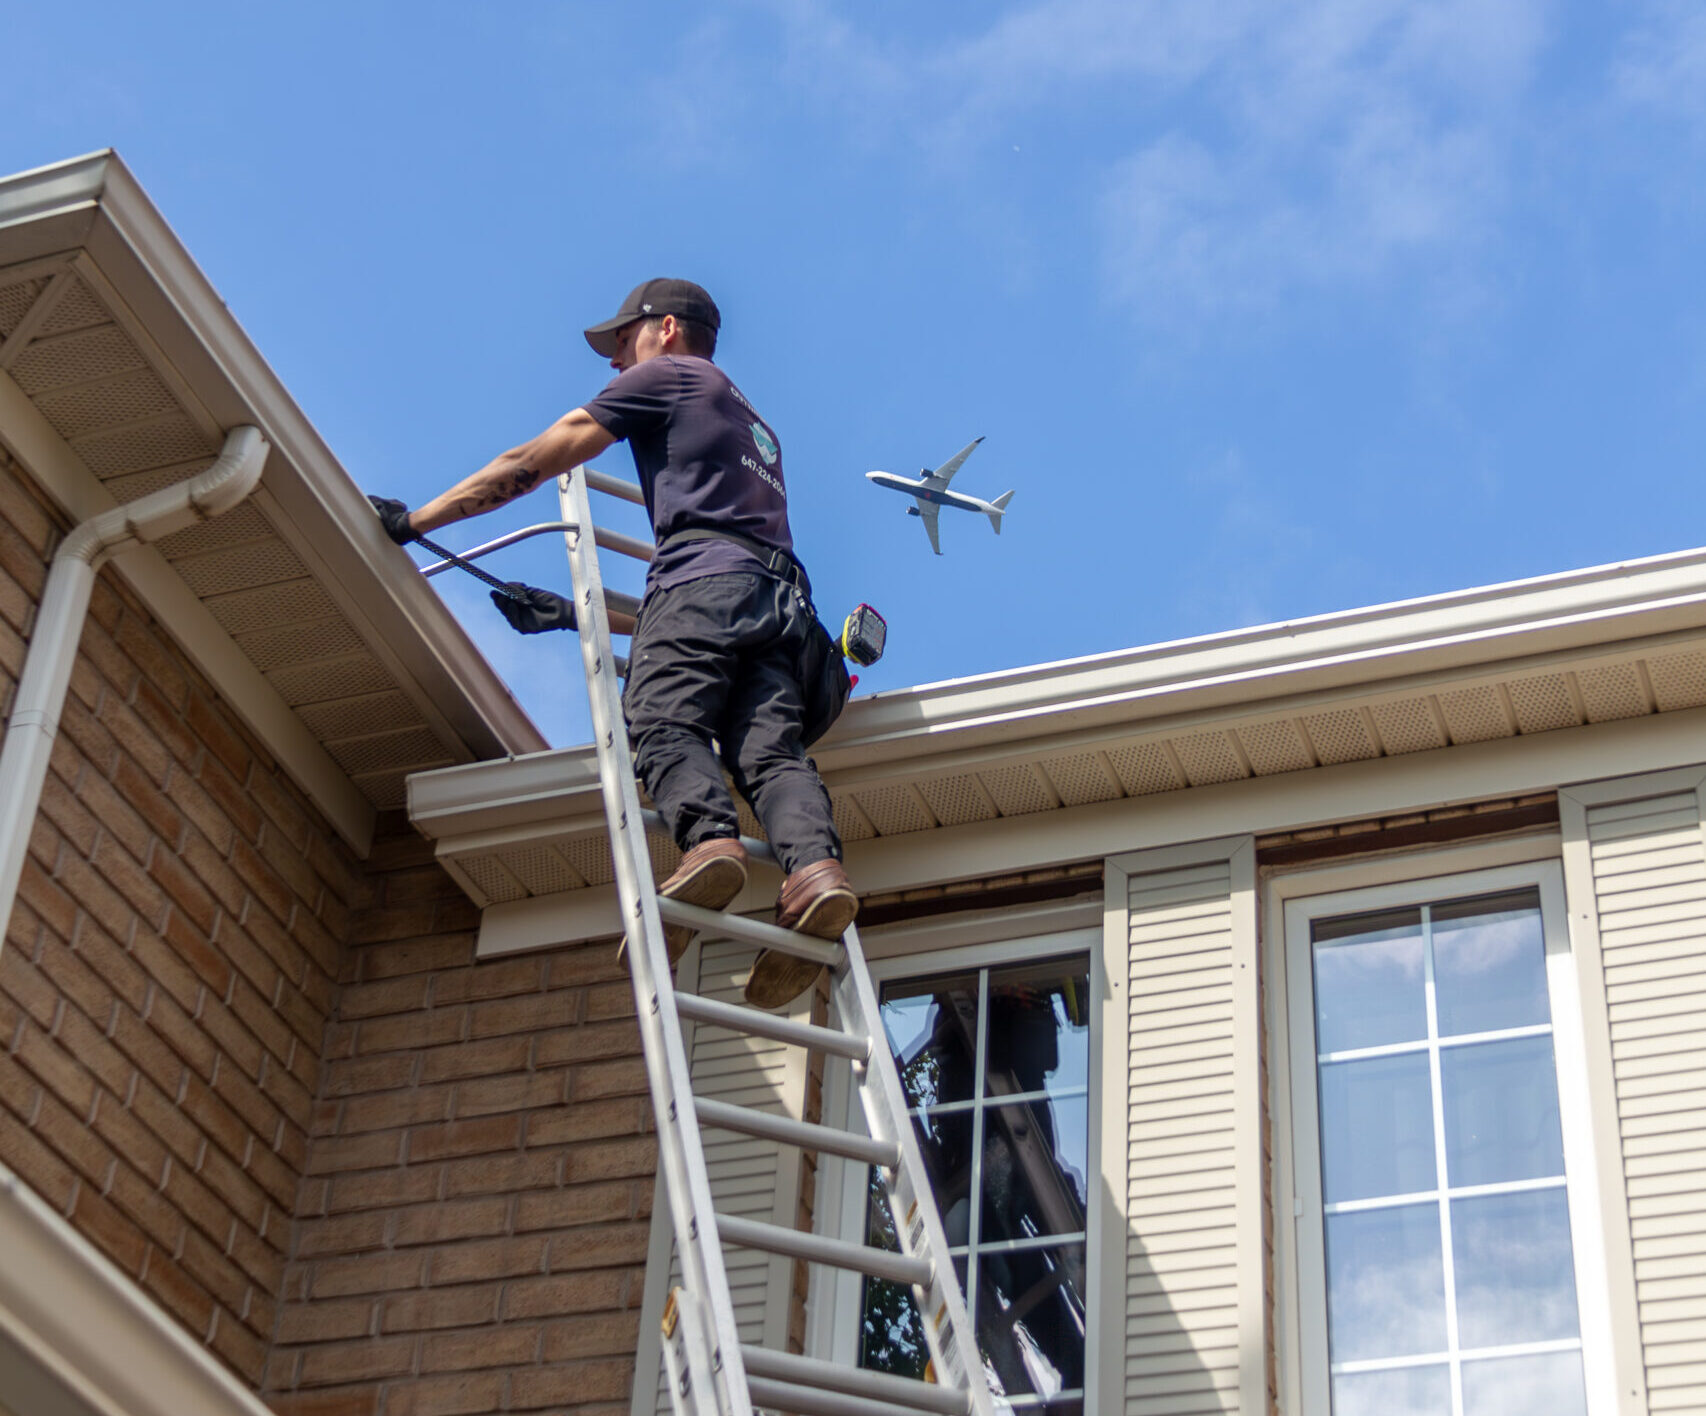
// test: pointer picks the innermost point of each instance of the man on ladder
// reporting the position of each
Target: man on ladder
(715, 659)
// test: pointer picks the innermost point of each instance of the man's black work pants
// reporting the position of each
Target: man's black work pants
(718, 658)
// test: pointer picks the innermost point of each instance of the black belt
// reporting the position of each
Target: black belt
(779, 563)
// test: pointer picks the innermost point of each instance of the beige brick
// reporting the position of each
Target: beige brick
(183, 887)
(591, 1292)
(392, 995)
(529, 1013)
(369, 1152)
(160, 962)
(415, 955)
(162, 719)
(507, 1346)
(371, 1359)
(210, 727)
(446, 1396)
(383, 1188)
(182, 1034)
(117, 815)
(388, 1110)
(279, 807)
(594, 1335)
(526, 1091)
(216, 802)
(428, 1028)
(369, 1273)
(241, 1049)
(601, 1246)
(459, 1219)
(133, 736)
(441, 1308)
(575, 1384)
(589, 963)
(495, 979)
(349, 1401)
(361, 1075)
(138, 890)
(107, 958)
(589, 1042)
(475, 1059)
(577, 1204)
(586, 1121)
(53, 905)
(487, 1259)
(326, 1321)
(460, 1138)
(345, 1234)
(258, 876)
(609, 1000)
(144, 649)
(61, 1073)
(608, 1160)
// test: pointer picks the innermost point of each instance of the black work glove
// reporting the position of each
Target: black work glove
(394, 517)
(536, 611)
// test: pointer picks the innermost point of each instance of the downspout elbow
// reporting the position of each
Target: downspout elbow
(46, 673)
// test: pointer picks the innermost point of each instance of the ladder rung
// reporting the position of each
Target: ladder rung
(855, 1381)
(814, 1248)
(770, 1025)
(813, 1401)
(615, 486)
(789, 1132)
(623, 545)
(751, 931)
(757, 849)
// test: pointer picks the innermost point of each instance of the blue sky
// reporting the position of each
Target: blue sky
(1266, 309)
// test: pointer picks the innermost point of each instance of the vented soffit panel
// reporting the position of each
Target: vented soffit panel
(140, 368)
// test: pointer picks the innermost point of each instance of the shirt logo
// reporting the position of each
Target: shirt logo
(767, 448)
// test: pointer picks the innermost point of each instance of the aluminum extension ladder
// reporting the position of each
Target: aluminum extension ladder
(710, 1372)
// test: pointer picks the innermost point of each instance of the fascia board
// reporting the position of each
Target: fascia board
(1463, 630)
(50, 209)
(317, 506)
(1387, 786)
(85, 1338)
(462, 804)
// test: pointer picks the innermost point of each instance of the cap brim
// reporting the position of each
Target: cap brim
(602, 337)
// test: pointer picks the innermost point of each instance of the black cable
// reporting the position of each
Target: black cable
(507, 590)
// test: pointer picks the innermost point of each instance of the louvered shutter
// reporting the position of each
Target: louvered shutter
(751, 1178)
(1183, 1135)
(1635, 871)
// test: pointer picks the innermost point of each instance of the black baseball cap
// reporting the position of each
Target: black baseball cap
(661, 296)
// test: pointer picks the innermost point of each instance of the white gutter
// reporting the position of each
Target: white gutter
(77, 1338)
(34, 722)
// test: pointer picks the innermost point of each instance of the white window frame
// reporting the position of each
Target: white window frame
(834, 1300)
(1293, 901)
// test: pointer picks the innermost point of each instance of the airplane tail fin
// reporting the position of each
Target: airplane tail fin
(999, 505)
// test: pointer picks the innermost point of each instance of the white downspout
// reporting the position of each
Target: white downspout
(58, 627)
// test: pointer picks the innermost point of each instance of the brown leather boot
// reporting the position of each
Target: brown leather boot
(818, 900)
(710, 875)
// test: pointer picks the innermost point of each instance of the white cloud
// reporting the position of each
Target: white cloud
(1662, 65)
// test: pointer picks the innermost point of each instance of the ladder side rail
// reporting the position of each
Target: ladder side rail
(717, 1377)
(953, 1346)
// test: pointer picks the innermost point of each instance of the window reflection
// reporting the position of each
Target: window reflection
(1446, 1217)
(996, 1065)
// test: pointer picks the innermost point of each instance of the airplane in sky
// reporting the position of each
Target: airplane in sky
(932, 494)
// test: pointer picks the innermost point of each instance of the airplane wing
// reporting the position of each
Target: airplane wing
(945, 473)
(927, 513)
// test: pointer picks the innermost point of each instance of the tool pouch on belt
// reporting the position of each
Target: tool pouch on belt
(823, 671)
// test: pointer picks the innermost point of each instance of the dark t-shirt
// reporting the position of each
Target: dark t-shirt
(705, 459)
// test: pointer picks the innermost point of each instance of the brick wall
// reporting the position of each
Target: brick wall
(473, 1226)
(168, 970)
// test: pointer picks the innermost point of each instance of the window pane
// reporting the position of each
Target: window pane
(946, 1140)
(1039, 1030)
(1030, 1318)
(1377, 1128)
(1490, 964)
(1385, 1283)
(1501, 1111)
(1034, 1170)
(891, 1337)
(1409, 1391)
(932, 1030)
(1547, 1384)
(1368, 981)
(1515, 1278)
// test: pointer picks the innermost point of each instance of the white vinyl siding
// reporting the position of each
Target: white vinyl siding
(1194, 1268)
(1636, 869)
(750, 1178)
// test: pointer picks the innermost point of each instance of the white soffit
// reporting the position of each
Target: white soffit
(120, 370)
(1617, 643)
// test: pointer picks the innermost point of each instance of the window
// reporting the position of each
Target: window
(996, 1065)
(1443, 1249)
